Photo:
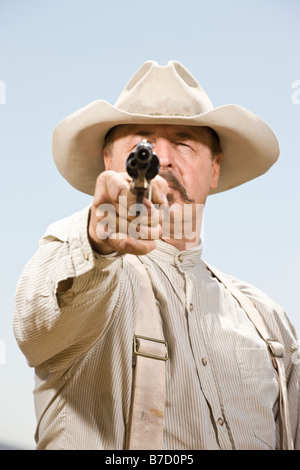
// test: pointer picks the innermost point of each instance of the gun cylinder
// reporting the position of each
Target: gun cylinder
(142, 165)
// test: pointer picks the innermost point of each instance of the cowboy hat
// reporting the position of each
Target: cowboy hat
(163, 95)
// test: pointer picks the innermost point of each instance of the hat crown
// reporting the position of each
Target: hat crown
(168, 90)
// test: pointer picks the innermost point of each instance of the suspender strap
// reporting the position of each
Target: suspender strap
(276, 351)
(150, 353)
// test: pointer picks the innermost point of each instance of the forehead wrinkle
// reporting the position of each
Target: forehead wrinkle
(169, 131)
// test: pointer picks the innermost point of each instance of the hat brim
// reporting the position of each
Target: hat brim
(248, 144)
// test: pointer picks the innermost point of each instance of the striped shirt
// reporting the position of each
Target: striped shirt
(221, 388)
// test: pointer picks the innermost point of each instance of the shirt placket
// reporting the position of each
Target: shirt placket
(202, 362)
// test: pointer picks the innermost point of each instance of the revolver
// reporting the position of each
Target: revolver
(142, 165)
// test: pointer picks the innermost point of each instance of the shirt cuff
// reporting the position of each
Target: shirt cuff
(83, 256)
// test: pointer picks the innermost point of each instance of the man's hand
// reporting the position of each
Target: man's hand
(112, 202)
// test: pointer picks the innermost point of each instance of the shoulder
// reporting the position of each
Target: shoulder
(273, 314)
(65, 229)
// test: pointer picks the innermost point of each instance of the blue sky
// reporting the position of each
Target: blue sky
(58, 56)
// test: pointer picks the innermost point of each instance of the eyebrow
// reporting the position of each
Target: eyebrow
(144, 133)
(184, 135)
(177, 135)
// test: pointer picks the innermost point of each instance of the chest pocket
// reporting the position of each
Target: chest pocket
(260, 390)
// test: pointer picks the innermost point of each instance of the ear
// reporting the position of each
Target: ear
(216, 168)
(107, 160)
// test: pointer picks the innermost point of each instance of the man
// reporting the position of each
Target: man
(79, 298)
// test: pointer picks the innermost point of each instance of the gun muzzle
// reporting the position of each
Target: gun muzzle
(142, 165)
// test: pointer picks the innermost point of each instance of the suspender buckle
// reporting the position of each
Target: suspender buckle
(276, 349)
(143, 346)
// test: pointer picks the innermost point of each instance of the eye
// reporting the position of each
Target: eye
(183, 144)
(141, 137)
(135, 141)
(185, 147)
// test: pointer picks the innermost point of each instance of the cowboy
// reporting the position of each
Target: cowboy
(212, 366)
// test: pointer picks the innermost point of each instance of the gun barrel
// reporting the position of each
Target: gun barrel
(142, 165)
(143, 155)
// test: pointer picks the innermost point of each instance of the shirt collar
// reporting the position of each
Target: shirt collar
(170, 254)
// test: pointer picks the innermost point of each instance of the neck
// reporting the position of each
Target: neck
(183, 228)
(183, 244)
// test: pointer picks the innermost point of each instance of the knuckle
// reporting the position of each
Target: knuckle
(161, 182)
(100, 178)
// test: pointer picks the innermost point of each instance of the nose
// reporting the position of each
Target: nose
(165, 153)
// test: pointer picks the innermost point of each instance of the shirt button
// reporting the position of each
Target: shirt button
(221, 421)
(204, 361)
(180, 258)
(191, 307)
(86, 256)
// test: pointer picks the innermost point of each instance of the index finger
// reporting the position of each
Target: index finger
(159, 188)
(110, 185)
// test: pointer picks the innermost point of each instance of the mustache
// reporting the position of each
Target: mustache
(169, 176)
